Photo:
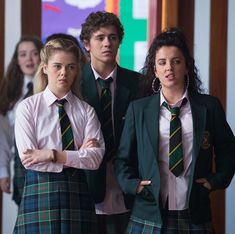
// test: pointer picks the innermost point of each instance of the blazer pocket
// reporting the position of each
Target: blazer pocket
(203, 193)
(146, 194)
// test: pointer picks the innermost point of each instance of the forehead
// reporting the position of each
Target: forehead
(168, 52)
(26, 45)
(107, 30)
(60, 56)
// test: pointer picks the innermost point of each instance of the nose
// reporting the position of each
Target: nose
(29, 57)
(169, 66)
(63, 71)
(106, 41)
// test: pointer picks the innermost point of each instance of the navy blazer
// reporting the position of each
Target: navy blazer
(139, 151)
(126, 91)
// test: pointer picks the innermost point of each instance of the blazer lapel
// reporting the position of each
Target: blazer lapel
(89, 88)
(121, 99)
(151, 117)
(199, 122)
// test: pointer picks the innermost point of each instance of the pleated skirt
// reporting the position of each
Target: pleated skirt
(56, 203)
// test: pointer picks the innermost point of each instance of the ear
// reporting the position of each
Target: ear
(87, 45)
(44, 68)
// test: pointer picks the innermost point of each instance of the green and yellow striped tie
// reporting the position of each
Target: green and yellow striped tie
(176, 159)
(106, 121)
(65, 125)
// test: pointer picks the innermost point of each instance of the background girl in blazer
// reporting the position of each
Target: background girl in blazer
(165, 202)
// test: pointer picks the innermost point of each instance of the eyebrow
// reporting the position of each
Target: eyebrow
(103, 34)
(20, 51)
(178, 57)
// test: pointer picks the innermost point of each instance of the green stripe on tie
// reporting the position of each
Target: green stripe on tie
(106, 121)
(176, 162)
(66, 129)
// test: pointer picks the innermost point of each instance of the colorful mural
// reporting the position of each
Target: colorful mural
(67, 16)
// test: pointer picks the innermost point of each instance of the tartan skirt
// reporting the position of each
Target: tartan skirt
(18, 178)
(56, 203)
(174, 222)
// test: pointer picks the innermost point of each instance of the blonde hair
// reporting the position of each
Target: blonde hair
(52, 46)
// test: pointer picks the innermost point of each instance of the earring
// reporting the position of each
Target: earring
(153, 85)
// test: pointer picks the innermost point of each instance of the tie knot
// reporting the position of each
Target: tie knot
(105, 83)
(61, 102)
(30, 86)
(173, 110)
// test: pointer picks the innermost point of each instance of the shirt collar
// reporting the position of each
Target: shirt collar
(50, 97)
(113, 74)
(177, 104)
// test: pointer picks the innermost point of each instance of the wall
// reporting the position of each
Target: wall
(12, 35)
(202, 54)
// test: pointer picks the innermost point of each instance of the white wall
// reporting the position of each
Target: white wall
(202, 40)
(12, 35)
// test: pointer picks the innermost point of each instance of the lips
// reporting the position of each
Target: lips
(107, 52)
(170, 76)
(29, 65)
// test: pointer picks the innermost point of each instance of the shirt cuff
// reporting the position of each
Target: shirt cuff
(4, 172)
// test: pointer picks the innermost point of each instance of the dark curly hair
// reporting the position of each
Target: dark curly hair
(99, 19)
(169, 37)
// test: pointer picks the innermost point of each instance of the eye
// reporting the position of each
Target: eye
(99, 38)
(22, 55)
(36, 53)
(71, 67)
(161, 62)
(57, 66)
(113, 37)
(176, 61)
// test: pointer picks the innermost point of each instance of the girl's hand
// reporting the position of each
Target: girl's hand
(5, 184)
(89, 143)
(204, 183)
(31, 157)
(142, 184)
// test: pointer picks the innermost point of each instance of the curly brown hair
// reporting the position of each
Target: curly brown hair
(99, 19)
(169, 37)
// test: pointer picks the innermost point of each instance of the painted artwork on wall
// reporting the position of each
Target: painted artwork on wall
(66, 16)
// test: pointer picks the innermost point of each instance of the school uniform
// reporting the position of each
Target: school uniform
(103, 184)
(56, 197)
(139, 159)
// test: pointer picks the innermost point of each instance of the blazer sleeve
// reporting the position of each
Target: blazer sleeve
(126, 162)
(224, 149)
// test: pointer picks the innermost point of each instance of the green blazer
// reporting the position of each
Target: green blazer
(139, 150)
(126, 91)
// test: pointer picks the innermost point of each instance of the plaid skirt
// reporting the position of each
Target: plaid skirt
(56, 203)
(174, 222)
(18, 179)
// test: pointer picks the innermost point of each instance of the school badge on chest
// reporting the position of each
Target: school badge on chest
(205, 140)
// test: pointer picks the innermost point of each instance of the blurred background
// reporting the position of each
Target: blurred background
(209, 26)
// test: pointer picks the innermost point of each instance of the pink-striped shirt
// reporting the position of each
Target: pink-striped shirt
(37, 127)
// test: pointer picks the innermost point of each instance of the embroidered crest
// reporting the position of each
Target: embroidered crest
(205, 140)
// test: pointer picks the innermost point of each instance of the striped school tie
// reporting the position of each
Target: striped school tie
(66, 129)
(176, 159)
(106, 122)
